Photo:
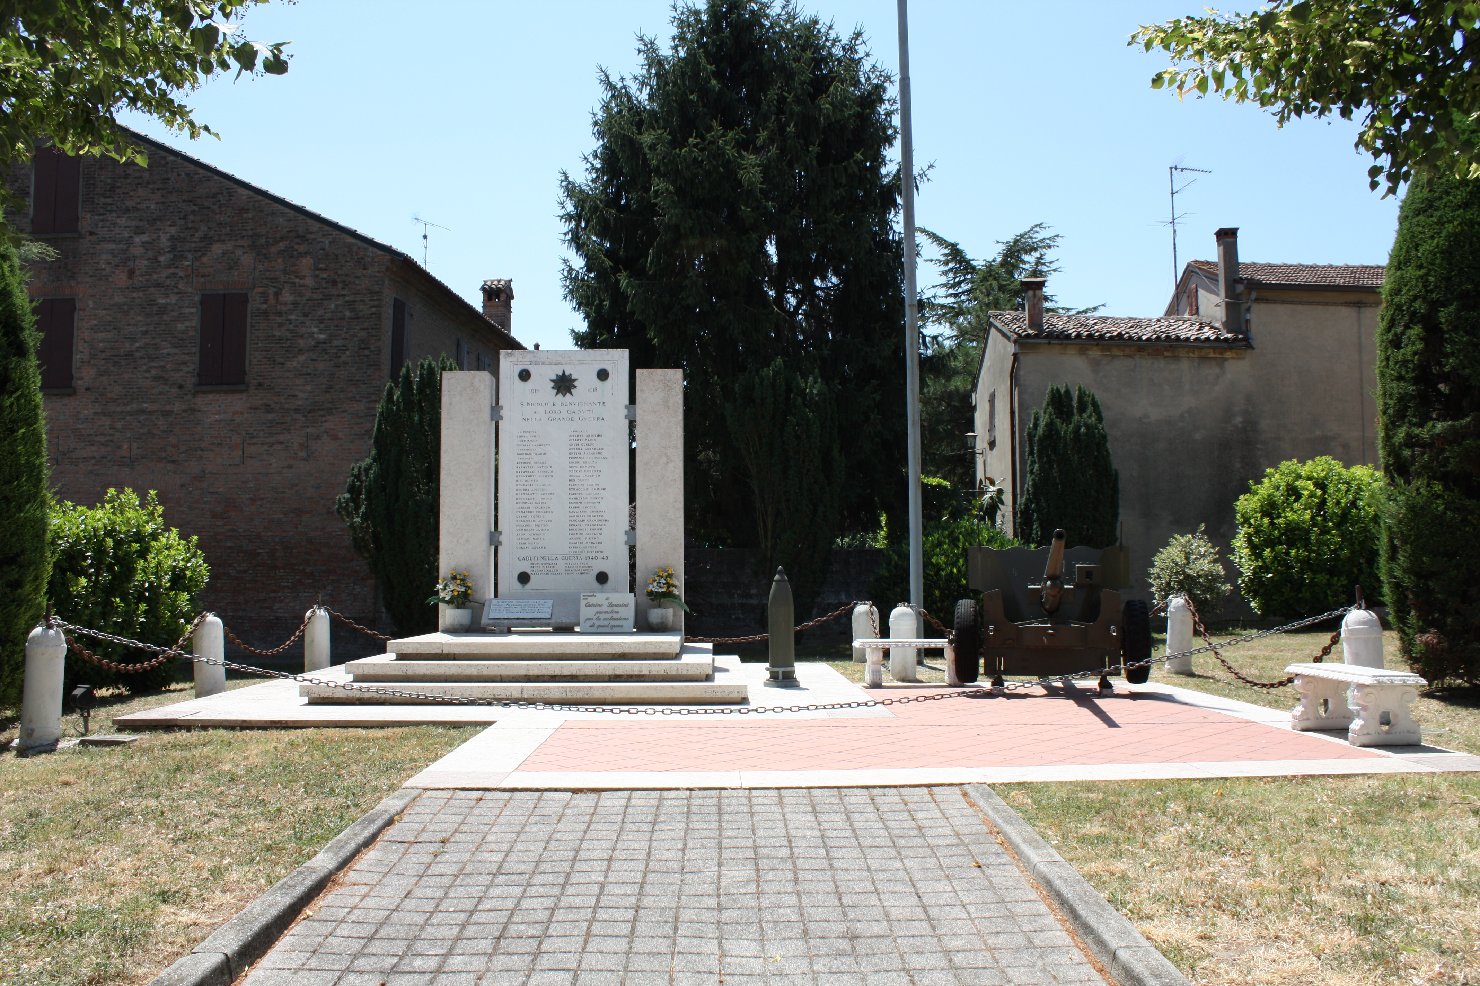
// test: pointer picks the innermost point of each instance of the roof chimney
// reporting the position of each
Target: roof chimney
(498, 302)
(1033, 301)
(1228, 280)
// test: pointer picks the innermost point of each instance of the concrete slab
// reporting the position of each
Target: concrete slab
(393, 668)
(540, 645)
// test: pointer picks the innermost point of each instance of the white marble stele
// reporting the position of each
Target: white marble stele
(562, 477)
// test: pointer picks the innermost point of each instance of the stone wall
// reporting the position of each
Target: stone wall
(251, 470)
(729, 599)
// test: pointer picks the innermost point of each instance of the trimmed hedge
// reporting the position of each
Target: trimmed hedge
(118, 567)
(1308, 533)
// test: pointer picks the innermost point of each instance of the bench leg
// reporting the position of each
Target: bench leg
(1322, 705)
(952, 678)
(873, 672)
(1382, 716)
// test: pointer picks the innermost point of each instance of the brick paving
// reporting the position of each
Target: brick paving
(1026, 729)
(667, 887)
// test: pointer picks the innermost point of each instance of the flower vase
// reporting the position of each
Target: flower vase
(660, 617)
(457, 619)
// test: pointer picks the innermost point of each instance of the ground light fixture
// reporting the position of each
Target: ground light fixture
(84, 699)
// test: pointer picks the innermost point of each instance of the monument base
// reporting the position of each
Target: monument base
(537, 666)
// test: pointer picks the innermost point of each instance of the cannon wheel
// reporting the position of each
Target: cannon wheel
(1135, 640)
(967, 634)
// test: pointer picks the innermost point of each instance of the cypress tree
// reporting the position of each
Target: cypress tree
(738, 208)
(1428, 401)
(391, 500)
(1071, 481)
(24, 562)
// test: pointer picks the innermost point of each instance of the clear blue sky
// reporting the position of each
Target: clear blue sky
(464, 113)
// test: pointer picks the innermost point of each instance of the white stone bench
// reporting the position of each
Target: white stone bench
(904, 653)
(1371, 704)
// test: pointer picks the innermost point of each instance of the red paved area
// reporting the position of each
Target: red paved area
(1022, 730)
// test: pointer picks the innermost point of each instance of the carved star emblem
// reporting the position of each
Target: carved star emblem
(564, 383)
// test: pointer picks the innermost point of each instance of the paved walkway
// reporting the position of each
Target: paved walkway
(881, 886)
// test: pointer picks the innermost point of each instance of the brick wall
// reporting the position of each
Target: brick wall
(252, 471)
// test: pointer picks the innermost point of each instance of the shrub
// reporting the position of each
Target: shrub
(1428, 407)
(391, 500)
(118, 567)
(944, 550)
(1071, 481)
(1189, 564)
(23, 496)
(1307, 534)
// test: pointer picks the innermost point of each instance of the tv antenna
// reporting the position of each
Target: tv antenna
(1172, 173)
(426, 227)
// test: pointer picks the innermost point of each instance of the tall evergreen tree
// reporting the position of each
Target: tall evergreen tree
(1071, 481)
(1428, 403)
(737, 211)
(391, 499)
(953, 332)
(24, 562)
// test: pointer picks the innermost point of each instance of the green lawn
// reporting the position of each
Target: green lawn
(119, 860)
(1352, 880)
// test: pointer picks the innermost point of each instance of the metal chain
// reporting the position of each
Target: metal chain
(356, 626)
(446, 699)
(756, 638)
(1253, 682)
(114, 666)
(944, 632)
(274, 652)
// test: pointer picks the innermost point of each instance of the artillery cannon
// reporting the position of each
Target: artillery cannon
(1056, 626)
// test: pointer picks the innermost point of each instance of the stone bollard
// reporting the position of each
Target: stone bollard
(865, 625)
(781, 634)
(209, 642)
(1179, 634)
(316, 640)
(1361, 639)
(41, 691)
(904, 624)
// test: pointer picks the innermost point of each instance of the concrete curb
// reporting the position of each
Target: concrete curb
(227, 953)
(1114, 941)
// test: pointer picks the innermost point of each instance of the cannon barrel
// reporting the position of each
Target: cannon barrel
(1053, 574)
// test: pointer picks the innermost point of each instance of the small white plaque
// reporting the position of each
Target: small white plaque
(607, 612)
(515, 610)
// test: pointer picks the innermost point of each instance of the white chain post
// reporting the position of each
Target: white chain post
(904, 624)
(1179, 635)
(865, 625)
(316, 655)
(41, 691)
(1361, 639)
(209, 642)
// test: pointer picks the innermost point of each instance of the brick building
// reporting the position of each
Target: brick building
(212, 341)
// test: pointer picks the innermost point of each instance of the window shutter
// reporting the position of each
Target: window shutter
(58, 319)
(55, 191)
(68, 195)
(44, 190)
(212, 308)
(234, 338)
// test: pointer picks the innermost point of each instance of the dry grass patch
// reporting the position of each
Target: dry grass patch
(1353, 880)
(119, 860)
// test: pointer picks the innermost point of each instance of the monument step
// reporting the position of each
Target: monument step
(541, 646)
(562, 693)
(395, 667)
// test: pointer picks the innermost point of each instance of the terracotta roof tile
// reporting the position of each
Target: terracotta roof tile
(1105, 328)
(1318, 275)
